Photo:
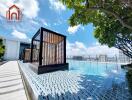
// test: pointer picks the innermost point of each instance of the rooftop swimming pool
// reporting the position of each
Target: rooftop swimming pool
(83, 81)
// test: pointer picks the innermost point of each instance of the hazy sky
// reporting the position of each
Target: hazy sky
(53, 15)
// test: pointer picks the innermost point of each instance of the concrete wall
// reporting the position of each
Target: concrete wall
(12, 49)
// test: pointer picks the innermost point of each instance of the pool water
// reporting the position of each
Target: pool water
(94, 68)
(117, 82)
(83, 81)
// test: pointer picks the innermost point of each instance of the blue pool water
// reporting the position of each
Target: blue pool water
(94, 68)
(83, 81)
(116, 82)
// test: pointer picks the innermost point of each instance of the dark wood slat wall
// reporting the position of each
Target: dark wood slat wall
(48, 48)
(57, 51)
(41, 47)
(64, 50)
(43, 60)
(50, 44)
(36, 49)
(31, 57)
(27, 54)
(54, 53)
(46, 51)
(52, 48)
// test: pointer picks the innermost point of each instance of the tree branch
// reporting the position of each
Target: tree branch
(127, 3)
(123, 44)
(124, 24)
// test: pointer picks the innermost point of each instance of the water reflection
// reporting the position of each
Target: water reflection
(129, 79)
(94, 68)
(117, 83)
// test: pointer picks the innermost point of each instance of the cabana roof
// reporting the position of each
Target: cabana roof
(50, 39)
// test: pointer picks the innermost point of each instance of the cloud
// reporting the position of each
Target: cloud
(4, 6)
(30, 21)
(26, 25)
(102, 50)
(96, 44)
(73, 29)
(59, 22)
(29, 8)
(34, 22)
(44, 22)
(56, 5)
(78, 48)
(19, 35)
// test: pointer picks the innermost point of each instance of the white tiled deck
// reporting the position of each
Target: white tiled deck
(64, 85)
(11, 85)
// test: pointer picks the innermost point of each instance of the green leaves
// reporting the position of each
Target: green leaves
(109, 17)
(2, 48)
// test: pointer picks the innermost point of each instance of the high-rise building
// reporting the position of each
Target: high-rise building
(123, 58)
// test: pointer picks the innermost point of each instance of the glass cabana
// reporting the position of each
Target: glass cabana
(48, 51)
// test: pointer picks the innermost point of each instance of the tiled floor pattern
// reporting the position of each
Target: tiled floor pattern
(64, 85)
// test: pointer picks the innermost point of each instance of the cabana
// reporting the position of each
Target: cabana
(48, 51)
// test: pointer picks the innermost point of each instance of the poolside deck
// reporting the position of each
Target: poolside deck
(11, 85)
(65, 85)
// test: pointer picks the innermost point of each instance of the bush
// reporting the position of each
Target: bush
(2, 48)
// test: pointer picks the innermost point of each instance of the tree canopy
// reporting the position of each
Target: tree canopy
(2, 48)
(112, 20)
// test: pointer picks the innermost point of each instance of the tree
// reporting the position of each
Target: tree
(2, 48)
(112, 20)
